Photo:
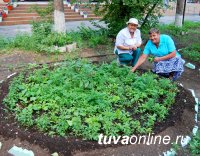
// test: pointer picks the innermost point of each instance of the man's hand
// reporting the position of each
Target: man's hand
(133, 47)
(157, 59)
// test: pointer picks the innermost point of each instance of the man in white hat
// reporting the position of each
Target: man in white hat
(127, 44)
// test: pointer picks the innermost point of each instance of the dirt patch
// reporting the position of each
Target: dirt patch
(184, 106)
(8, 144)
(17, 60)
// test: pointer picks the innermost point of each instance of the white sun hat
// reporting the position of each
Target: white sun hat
(133, 21)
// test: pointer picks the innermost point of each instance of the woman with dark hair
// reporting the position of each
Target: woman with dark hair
(167, 61)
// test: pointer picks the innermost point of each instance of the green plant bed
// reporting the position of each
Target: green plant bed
(192, 52)
(85, 100)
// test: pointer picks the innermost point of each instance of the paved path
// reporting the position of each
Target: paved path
(170, 19)
(11, 31)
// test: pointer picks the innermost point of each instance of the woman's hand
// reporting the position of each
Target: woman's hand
(157, 59)
(141, 60)
(166, 57)
(133, 69)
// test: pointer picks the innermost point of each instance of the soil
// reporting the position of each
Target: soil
(179, 122)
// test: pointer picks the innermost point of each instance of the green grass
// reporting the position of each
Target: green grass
(82, 99)
(43, 39)
(178, 31)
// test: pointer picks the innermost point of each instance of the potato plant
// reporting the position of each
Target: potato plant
(82, 99)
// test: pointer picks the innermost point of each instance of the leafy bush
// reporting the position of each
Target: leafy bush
(76, 36)
(172, 30)
(192, 52)
(25, 42)
(94, 37)
(82, 99)
(191, 25)
(57, 39)
(41, 29)
(4, 43)
(117, 12)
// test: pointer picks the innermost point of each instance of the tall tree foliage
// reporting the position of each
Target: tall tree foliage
(117, 12)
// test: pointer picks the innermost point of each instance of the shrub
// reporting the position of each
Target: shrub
(192, 52)
(94, 37)
(57, 39)
(117, 12)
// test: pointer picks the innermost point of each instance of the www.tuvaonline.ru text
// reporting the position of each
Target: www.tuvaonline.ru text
(140, 139)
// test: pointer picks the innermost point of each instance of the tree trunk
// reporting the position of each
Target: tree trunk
(59, 16)
(179, 13)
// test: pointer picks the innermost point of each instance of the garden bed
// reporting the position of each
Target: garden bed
(67, 145)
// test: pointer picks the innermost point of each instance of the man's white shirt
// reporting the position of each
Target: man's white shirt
(124, 39)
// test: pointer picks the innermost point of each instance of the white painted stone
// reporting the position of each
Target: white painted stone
(60, 49)
(66, 48)
(195, 129)
(180, 84)
(192, 91)
(196, 117)
(0, 145)
(185, 141)
(10, 75)
(190, 65)
(1, 81)
(57, 64)
(197, 100)
(18, 151)
(71, 47)
(171, 152)
(55, 154)
(196, 108)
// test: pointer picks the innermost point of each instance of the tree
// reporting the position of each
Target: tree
(179, 13)
(117, 12)
(59, 16)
